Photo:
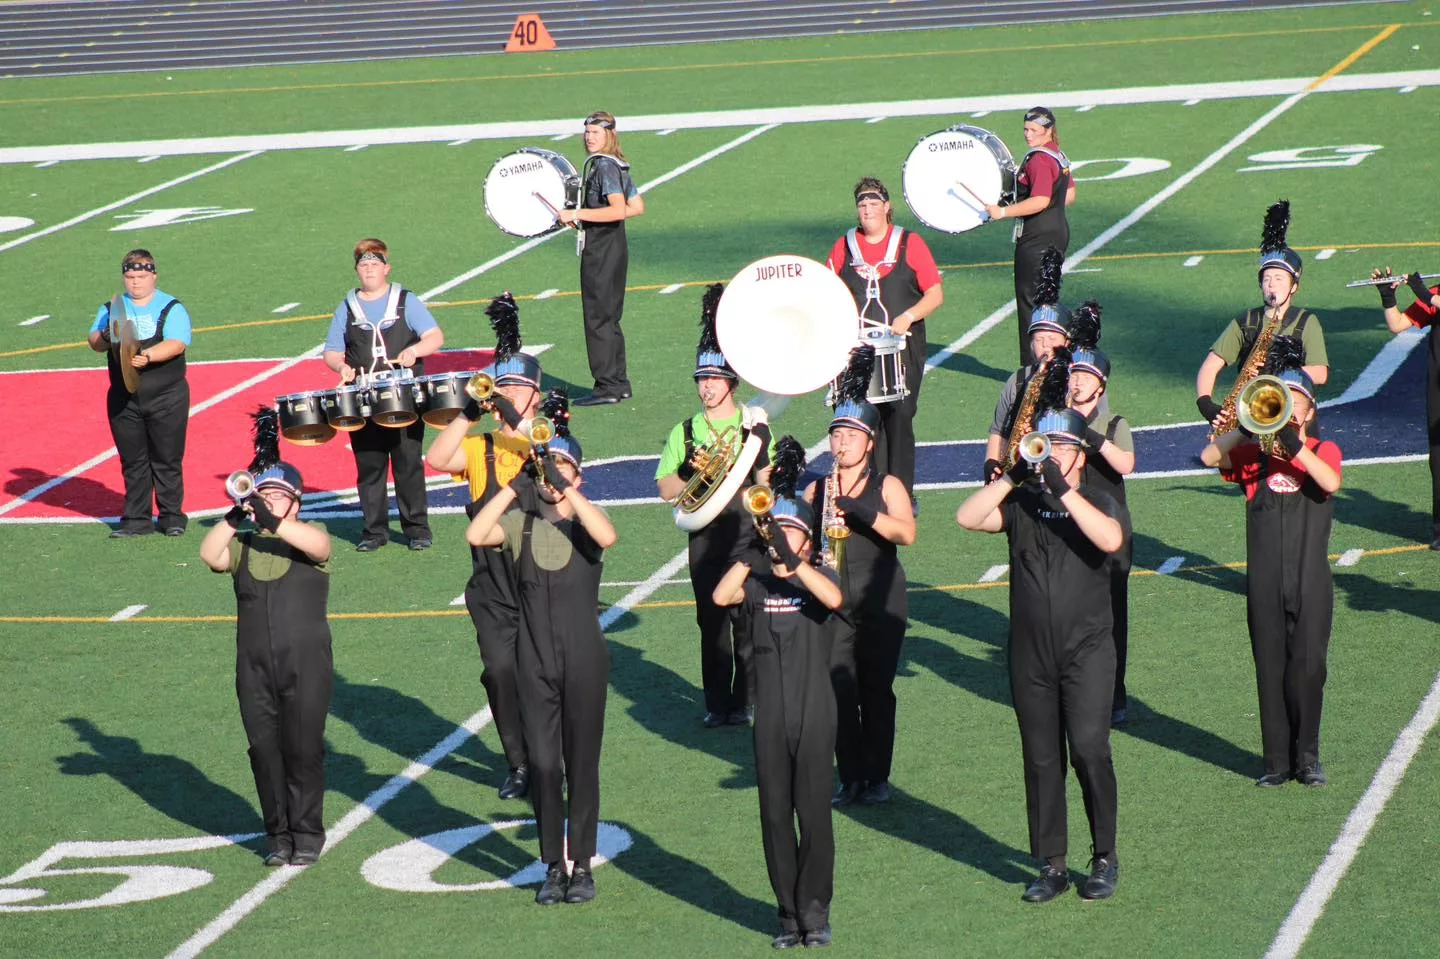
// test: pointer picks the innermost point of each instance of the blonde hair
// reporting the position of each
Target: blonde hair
(606, 121)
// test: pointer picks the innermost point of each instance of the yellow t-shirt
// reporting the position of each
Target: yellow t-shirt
(511, 452)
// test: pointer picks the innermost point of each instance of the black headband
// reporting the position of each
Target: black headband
(1041, 116)
(595, 120)
(870, 193)
(371, 255)
(143, 266)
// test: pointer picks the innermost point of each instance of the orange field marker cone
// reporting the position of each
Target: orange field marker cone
(529, 35)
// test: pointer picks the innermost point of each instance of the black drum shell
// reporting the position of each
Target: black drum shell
(442, 398)
(345, 408)
(393, 404)
(302, 421)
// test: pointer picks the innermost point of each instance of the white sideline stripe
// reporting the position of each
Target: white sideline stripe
(1350, 557)
(35, 319)
(522, 129)
(1312, 901)
(1192, 261)
(979, 113)
(546, 294)
(1085, 109)
(1379, 370)
(41, 166)
(1407, 89)
(672, 288)
(1324, 254)
(459, 143)
(351, 821)
(1129, 220)
(875, 120)
(490, 264)
(1193, 101)
(128, 612)
(1170, 565)
(458, 600)
(994, 573)
(665, 133)
(286, 308)
(90, 214)
(357, 147)
(149, 159)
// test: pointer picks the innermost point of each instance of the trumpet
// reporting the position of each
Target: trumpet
(1034, 448)
(239, 485)
(758, 501)
(480, 388)
(1264, 407)
(538, 430)
(1399, 278)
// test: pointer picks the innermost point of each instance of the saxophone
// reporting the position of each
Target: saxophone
(1024, 421)
(1254, 363)
(832, 522)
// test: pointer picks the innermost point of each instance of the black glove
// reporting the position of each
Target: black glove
(554, 477)
(505, 410)
(1418, 287)
(471, 410)
(856, 510)
(788, 557)
(992, 470)
(762, 430)
(1290, 442)
(1387, 293)
(1054, 479)
(1094, 439)
(236, 516)
(1019, 473)
(264, 519)
(1208, 408)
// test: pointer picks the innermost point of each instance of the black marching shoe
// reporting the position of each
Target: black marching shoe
(553, 889)
(786, 940)
(582, 885)
(1271, 780)
(596, 399)
(280, 854)
(818, 938)
(369, 544)
(712, 720)
(741, 717)
(304, 857)
(517, 784)
(1313, 776)
(174, 531)
(418, 543)
(847, 794)
(1435, 544)
(875, 793)
(126, 532)
(1050, 883)
(1104, 874)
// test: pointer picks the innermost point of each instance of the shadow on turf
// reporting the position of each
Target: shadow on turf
(167, 784)
(1358, 507)
(941, 831)
(94, 499)
(1364, 594)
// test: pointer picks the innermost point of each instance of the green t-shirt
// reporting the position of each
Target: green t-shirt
(270, 555)
(549, 545)
(674, 454)
(1228, 346)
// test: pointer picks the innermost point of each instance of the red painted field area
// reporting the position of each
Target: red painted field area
(52, 444)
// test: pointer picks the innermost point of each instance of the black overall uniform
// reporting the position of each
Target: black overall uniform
(894, 451)
(382, 449)
(1100, 475)
(1432, 417)
(490, 596)
(726, 671)
(1062, 664)
(867, 644)
(283, 678)
(1290, 602)
(604, 264)
(149, 428)
(1033, 234)
(564, 674)
(794, 738)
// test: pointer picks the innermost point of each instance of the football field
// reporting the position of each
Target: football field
(130, 810)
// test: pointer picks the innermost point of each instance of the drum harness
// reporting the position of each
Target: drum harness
(871, 274)
(378, 353)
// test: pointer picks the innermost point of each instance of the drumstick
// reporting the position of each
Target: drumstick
(961, 185)
(548, 205)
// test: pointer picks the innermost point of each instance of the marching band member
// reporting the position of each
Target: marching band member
(725, 657)
(489, 461)
(283, 668)
(557, 539)
(1049, 331)
(608, 197)
(149, 423)
(1062, 662)
(1280, 269)
(1289, 590)
(383, 323)
(893, 278)
(855, 498)
(1044, 187)
(1421, 314)
(1109, 458)
(791, 609)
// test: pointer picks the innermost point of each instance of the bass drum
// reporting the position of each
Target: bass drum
(525, 188)
(946, 172)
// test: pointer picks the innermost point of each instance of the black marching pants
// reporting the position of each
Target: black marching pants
(862, 673)
(1432, 416)
(1028, 253)
(497, 632)
(895, 441)
(604, 265)
(149, 432)
(380, 450)
(1062, 688)
(726, 668)
(284, 687)
(794, 739)
(1120, 613)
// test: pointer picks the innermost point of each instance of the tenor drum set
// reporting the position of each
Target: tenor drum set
(394, 399)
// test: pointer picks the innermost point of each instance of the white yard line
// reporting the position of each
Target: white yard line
(994, 573)
(35, 319)
(1170, 565)
(1350, 557)
(1311, 904)
(556, 129)
(129, 612)
(91, 214)
(1379, 370)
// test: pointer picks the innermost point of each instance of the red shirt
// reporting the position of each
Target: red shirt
(1422, 314)
(917, 256)
(1286, 476)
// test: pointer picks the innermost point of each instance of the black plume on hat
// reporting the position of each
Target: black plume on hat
(709, 304)
(1085, 326)
(1277, 222)
(787, 465)
(556, 408)
(1055, 389)
(266, 430)
(1286, 353)
(505, 321)
(854, 382)
(1048, 277)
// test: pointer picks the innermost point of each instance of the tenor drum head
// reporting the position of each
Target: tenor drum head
(786, 324)
(512, 183)
(941, 162)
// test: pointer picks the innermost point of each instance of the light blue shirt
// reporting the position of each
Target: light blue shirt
(417, 317)
(177, 321)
